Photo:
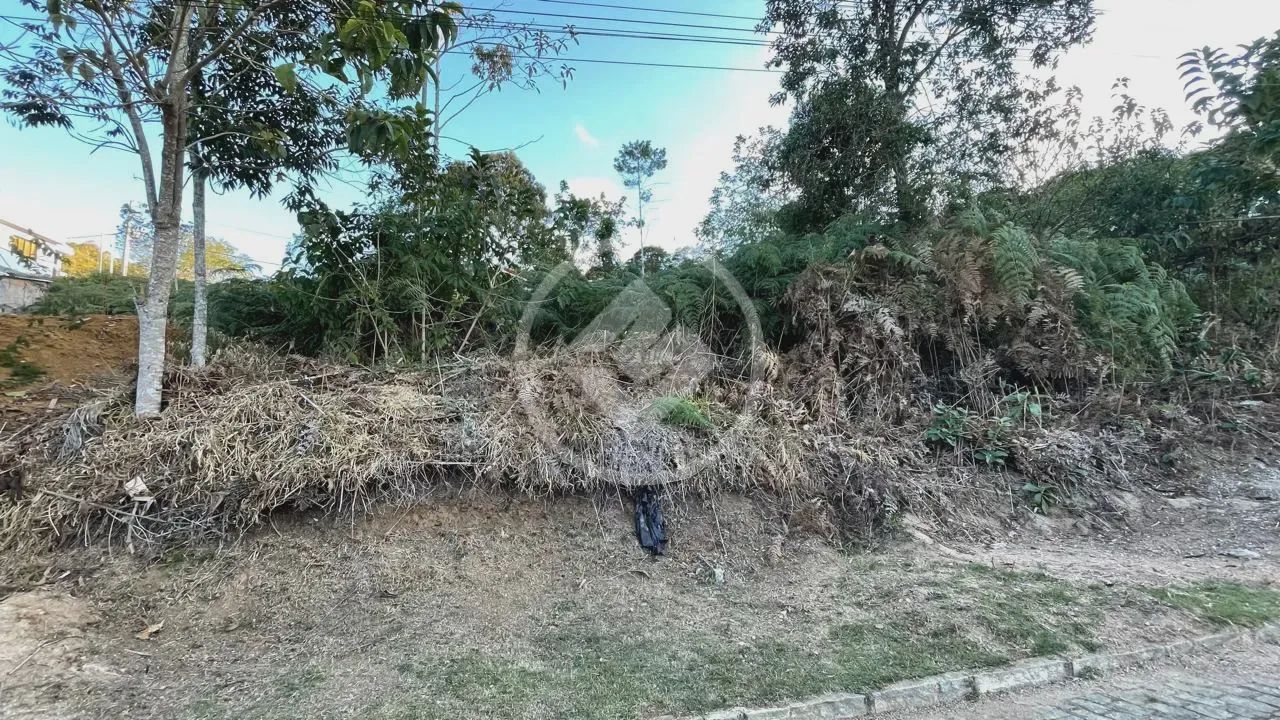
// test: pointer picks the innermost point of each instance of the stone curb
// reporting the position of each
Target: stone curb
(951, 687)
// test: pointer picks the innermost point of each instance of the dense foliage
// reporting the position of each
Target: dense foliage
(1132, 259)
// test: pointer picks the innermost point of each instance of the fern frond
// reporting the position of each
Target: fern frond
(1015, 261)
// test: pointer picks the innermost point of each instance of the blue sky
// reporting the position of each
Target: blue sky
(53, 184)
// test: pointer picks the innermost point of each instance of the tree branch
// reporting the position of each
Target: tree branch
(135, 120)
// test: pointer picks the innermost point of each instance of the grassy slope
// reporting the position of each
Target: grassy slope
(499, 611)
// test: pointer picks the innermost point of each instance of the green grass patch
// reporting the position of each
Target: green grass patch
(973, 619)
(1034, 612)
(589, 668)
(606, 676)
(1224, 604)
(683, 413)
(505, 688)
(870, 656)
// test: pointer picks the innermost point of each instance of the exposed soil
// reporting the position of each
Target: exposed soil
(471, 605)
(73, 350)
(70, 354)
(1229, 529)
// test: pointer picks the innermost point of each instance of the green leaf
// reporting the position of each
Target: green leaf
(286, 76)
(349, 29)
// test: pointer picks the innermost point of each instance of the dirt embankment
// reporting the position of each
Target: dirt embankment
(46, 358)
(476, 606)
(70, 350)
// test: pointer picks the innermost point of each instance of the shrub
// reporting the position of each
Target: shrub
(97, 294)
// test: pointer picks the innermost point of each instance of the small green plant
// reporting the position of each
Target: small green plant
(683, 413)
(21, 372)
(954, 426)
(994, 449)
(1022, 405)
(949, 425)
(1041, 497)
(1088, 673)
(991, 455)
(11, 354)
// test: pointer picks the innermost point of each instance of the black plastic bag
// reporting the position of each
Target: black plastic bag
(651, 530)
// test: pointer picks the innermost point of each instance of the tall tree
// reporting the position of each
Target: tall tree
(890, 93)
(109, 72)
(745, 202)
(637, 162)
(85, 259)
(222, 260)
(588, 225)
(267, 124)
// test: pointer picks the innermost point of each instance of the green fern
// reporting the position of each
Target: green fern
(1128, 307)
(1015, 261)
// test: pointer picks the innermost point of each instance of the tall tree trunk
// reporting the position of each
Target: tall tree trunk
(128, 233)
(200, 318)
(166, 215)
(909, 211)
(153, 317)
(640, 212)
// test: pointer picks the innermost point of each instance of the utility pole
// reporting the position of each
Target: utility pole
(124, 257)
(436, 125)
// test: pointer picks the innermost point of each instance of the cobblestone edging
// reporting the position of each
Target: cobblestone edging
(927, 692)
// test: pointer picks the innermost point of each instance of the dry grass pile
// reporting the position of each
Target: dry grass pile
(950, 401)
(253, 434)
(246, 436)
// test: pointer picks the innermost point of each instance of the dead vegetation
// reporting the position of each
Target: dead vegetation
(255, 434)
(948, 380)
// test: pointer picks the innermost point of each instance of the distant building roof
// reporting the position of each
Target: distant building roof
(39, 260)
(23, 275)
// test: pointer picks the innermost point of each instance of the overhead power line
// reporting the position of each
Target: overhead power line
(625, 33)
(625, 20)
(636, 63)
(653, 10)
(1060, 15)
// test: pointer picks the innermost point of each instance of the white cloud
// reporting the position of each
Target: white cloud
(594, 187)
(585, 136)
(694, 166)
(1122, 46)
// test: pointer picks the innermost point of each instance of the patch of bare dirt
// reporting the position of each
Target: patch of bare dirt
(70, 353)
(315, 614)
(1229, 528)
(43, 648)
(72, 350)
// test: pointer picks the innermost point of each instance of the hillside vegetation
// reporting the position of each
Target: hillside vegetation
(994, 309)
